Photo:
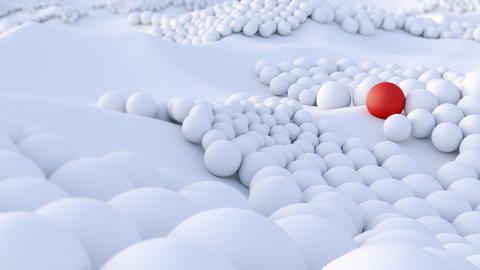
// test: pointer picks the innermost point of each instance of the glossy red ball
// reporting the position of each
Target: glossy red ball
(385, 99)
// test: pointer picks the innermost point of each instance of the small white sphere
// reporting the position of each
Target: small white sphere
(195, 126)
(16, 165)
(448, 204)
(332, 96)
(366, 28)
(383, 150)
(397, 127)
(92, 178)
(114, 101)
(328, 64)
(374, 208)
(319, 15)
(453, 171)
(467, 223)
(470, 84)
(422, 122)
(471, 142)
(103, 230)
(48, 151)
(325, 148)
(338, 159)
(391, 190)
(342, 174)
(469, 104)
(447, 112)
(134, 18)
(260, 244)
(141, 171)
(470, 125)
(55, 248)
(358, 192)
(224, 30)
(265, 30)
(445, 91)
(268, 73)
(141, 104)
(467, 188)
(210, 36)
(438, 225)
(146, 17)
(279, 86)
(447, 137)
(361, 158)
(222, 158)
(420, 99)
(212, 136)
(261, 64)
(409, 85)
(202, 200)
(181, 108)
(373, 173)
(422, 185)
(272, 193)
(470, 157)
(284, 28)
(354, 143)
(413, 207)
(400, 166)
(222, 191)
(14, 191)
(350, 25)
(253, 163)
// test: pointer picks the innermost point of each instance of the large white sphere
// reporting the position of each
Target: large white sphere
(222, 158)
(181, 108)
(15, 165)
(397, 127)
(28, 194)
(468, 104)
(92, 178)
(470, 125)
(103, 230)
(422, 122)
(141, 171)
(470, 84)
(373, 173)
(248, 240)
(154, 211)
(445, 91)
(389, 256)
(141, 104)
(471, 142)
(470, 157)
(48, 151)
(253, 163)
(447, 112)
(332, 96)
(447, 137)
(400, 166)
(313, 233)
(272, 193)
(46, 244)
(453, 171)
(448, 204)
(413, 207)
(114, 101)
(422, 185)
(168, 253)
(195, 126)
(467, 223)
(468, 188)
(384, 150)
(391, 190)
(212, 136)
(223, 191)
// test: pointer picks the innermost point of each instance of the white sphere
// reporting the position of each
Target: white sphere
(409, 85)
(338, 159)
(223, 191)
(455, 260)
(212, 136)
(279, 86)
(447, 137)
(141, 104)
(272, 193)
(462, 249)
(448, 238)
(404, 236)
(268, 73)
(114, 101)
(366, 27)
(470, 125)
(222, 158)
(400, 166)
(373, 173)
(470, 85)
(319, 234)
(328, 64)
(468, 188)
(181, 108)
(168, 253)
(141, 171)
(373, 208)
(134, 18)
(16, 165)
(468, 104)
(253, 163)
(103, 230)
(448, 204)
(265, 30)
(332, 96)
(270, 171)
(284, 28)
(259, 243)
(422, 185)
(28, 194)
(303, 164)
(195, 126)
(445, 91)
(447, 113)
(318, 15)
(420, 99)
(357, 192)
(453, 171)
(46, 244)
(350, 25)
(154, 211)
(470, 157)
(307, 178)
(48, 151)
(391, 190)
(202, 200)
(302, 116)
(383, 150)
(471, 142)
(261, 64)
(423, 123)
(437, 225)
(413, 207)
(467, 223)
(92, 178)
(210, 36)
(403, 223)
(361, 157)
(397, 127)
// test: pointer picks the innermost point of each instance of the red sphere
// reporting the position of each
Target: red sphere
(385, 99)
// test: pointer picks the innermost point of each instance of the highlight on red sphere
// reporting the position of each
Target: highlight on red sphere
(385, 99)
